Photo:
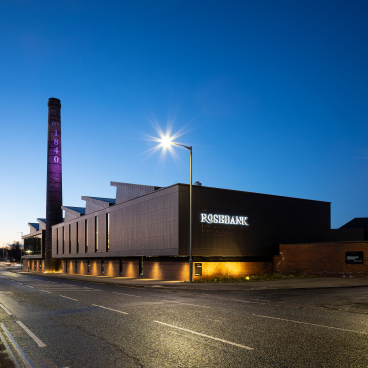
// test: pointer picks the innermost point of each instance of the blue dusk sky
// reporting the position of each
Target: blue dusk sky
(272, 95)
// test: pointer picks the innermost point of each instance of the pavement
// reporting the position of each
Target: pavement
(293, 284)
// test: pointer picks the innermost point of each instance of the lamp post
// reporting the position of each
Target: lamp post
(21, 249)
(167, 142)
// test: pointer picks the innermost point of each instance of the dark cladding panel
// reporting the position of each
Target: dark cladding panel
(272, 220)
(91, 234)
(54, 240)
(74, 237)
(102, 232)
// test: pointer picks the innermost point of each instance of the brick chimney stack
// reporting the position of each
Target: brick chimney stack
(54, 197)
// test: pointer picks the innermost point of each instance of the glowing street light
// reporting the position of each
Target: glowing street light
(167, 142)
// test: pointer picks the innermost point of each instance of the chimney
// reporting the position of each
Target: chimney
(54, 198)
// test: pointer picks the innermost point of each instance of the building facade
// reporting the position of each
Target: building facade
(144, 232)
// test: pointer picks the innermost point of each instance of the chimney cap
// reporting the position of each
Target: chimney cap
(54, 102)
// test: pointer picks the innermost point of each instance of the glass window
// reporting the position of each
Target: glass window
(76, 234)
(32, 244)
(86, 236)
(96, 234)
(107, 232)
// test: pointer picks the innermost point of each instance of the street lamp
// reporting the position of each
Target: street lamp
(166, 141)
(21, 249)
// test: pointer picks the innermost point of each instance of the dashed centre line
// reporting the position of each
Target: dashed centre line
(30, 333)
(63, 296)
(246, 301)
(114, 310)
(311, 324)
(209, 337)
(138, 296)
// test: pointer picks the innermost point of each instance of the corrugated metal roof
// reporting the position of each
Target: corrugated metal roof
(80, 210)
(36, 225)
(108, 200)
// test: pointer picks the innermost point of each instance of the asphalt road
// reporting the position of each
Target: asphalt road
(66, 323)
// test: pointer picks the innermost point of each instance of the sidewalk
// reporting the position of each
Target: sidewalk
(307, 283)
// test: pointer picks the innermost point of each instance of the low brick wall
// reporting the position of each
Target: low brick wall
(130, 267)
(233, 269)
(111, 267)
(321, 259)
(166, 270)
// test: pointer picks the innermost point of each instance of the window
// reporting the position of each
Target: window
(32, 244)
(57, 241)
(66, 266)
(86, 236)
(96, 234)
(140, 266)
(120, 266)
(40, 267)
(70, 238)
(88, 265)
(63, 238)
(76, 265)
(77, 236)
(107, 232)
(102, 266)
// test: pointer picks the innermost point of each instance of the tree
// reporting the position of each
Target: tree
(15, 251)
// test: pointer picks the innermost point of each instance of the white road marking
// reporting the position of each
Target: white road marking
(114, 310)
(63, 296)
(245, 301)
(30, 286)
(30, 333)
(203, 335)
(45, 291)
(312, 324)
(261, 300)
(9, 350)
(6, 310)
(138, 296)
(194, 305)
(24, 358)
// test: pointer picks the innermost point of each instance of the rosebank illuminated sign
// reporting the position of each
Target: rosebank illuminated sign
(209, 218)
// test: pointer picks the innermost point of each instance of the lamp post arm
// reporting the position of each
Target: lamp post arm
(181, 145)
